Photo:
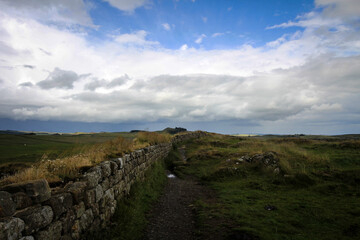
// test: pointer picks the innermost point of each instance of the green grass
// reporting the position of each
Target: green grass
(318, 198)
(130, 216)
(30, 148)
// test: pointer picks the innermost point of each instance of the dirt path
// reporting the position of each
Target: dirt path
(172, 217)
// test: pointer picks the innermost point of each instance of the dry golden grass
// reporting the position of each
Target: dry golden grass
(54, 170)
(152, 138)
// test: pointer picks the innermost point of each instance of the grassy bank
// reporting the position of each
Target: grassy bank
(129, 220)
(315, 195)
(68, 164)
(30, 148)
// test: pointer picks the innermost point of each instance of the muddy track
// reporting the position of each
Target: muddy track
(173, 215)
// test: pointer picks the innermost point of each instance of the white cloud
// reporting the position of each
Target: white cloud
(166, 26)
(200, 38)
(135, 38)
(127, 5)
(59, 11)
(309, 76)
(184, 47)
(59, 79)
(340, 8)
(217, 34)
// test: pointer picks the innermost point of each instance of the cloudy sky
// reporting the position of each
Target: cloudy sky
(230, 66)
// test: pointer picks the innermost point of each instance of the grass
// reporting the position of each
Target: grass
(68, 164)
(129, 219)
(30, 148)
(316, 195)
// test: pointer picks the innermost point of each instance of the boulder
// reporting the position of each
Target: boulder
(79, 210)
(60, 203)
(86, 219)
(93, 177)
(105, 169)
(90, 197)
(7, 205)
(68, 221)
(98, 193)
(35, 218)
(11, 228)
(52, 232)
(21, 200)
(77, 190)
(38, 190)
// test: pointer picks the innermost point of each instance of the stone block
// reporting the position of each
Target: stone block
(68, 221)
(60, 203)
(105, 169)
(90, 197)
(86, 220)
(53, 232)
(120, 162)
(11, 228)
(38, 190)
(98, 193)
(93, 177)
(77, 190)
(105, 184)
(35, 218)
(79, 209)
(7, 205)
(27, 238)
(114, 167)
(21, 200)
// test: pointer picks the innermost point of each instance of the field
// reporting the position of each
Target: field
(312, 193)
(30, 148)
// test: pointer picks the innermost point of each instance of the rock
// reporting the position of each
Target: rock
(21, 200)
(77, 190)
(105, 169)
(38, 190)
(11, 228)
(7, 205)
(119, 162)
(27, 238)
(86, 219)
(114, 167)
(68, 221)
(52, 232)
(76, 230)
(106, 184)
(60, 203)
(98, 193)
(35, 218)
(79, 210)
(93, 177)
(90, 197)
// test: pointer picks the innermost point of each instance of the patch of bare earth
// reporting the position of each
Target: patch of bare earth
(173, 216)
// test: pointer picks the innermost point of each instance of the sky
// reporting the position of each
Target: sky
(227, 66)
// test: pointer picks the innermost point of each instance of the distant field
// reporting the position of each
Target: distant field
(30, 148)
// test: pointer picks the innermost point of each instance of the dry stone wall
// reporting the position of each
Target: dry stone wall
(32, 210)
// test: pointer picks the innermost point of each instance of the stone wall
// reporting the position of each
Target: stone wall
(33, 210)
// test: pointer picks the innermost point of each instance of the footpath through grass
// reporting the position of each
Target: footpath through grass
(315, 195)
